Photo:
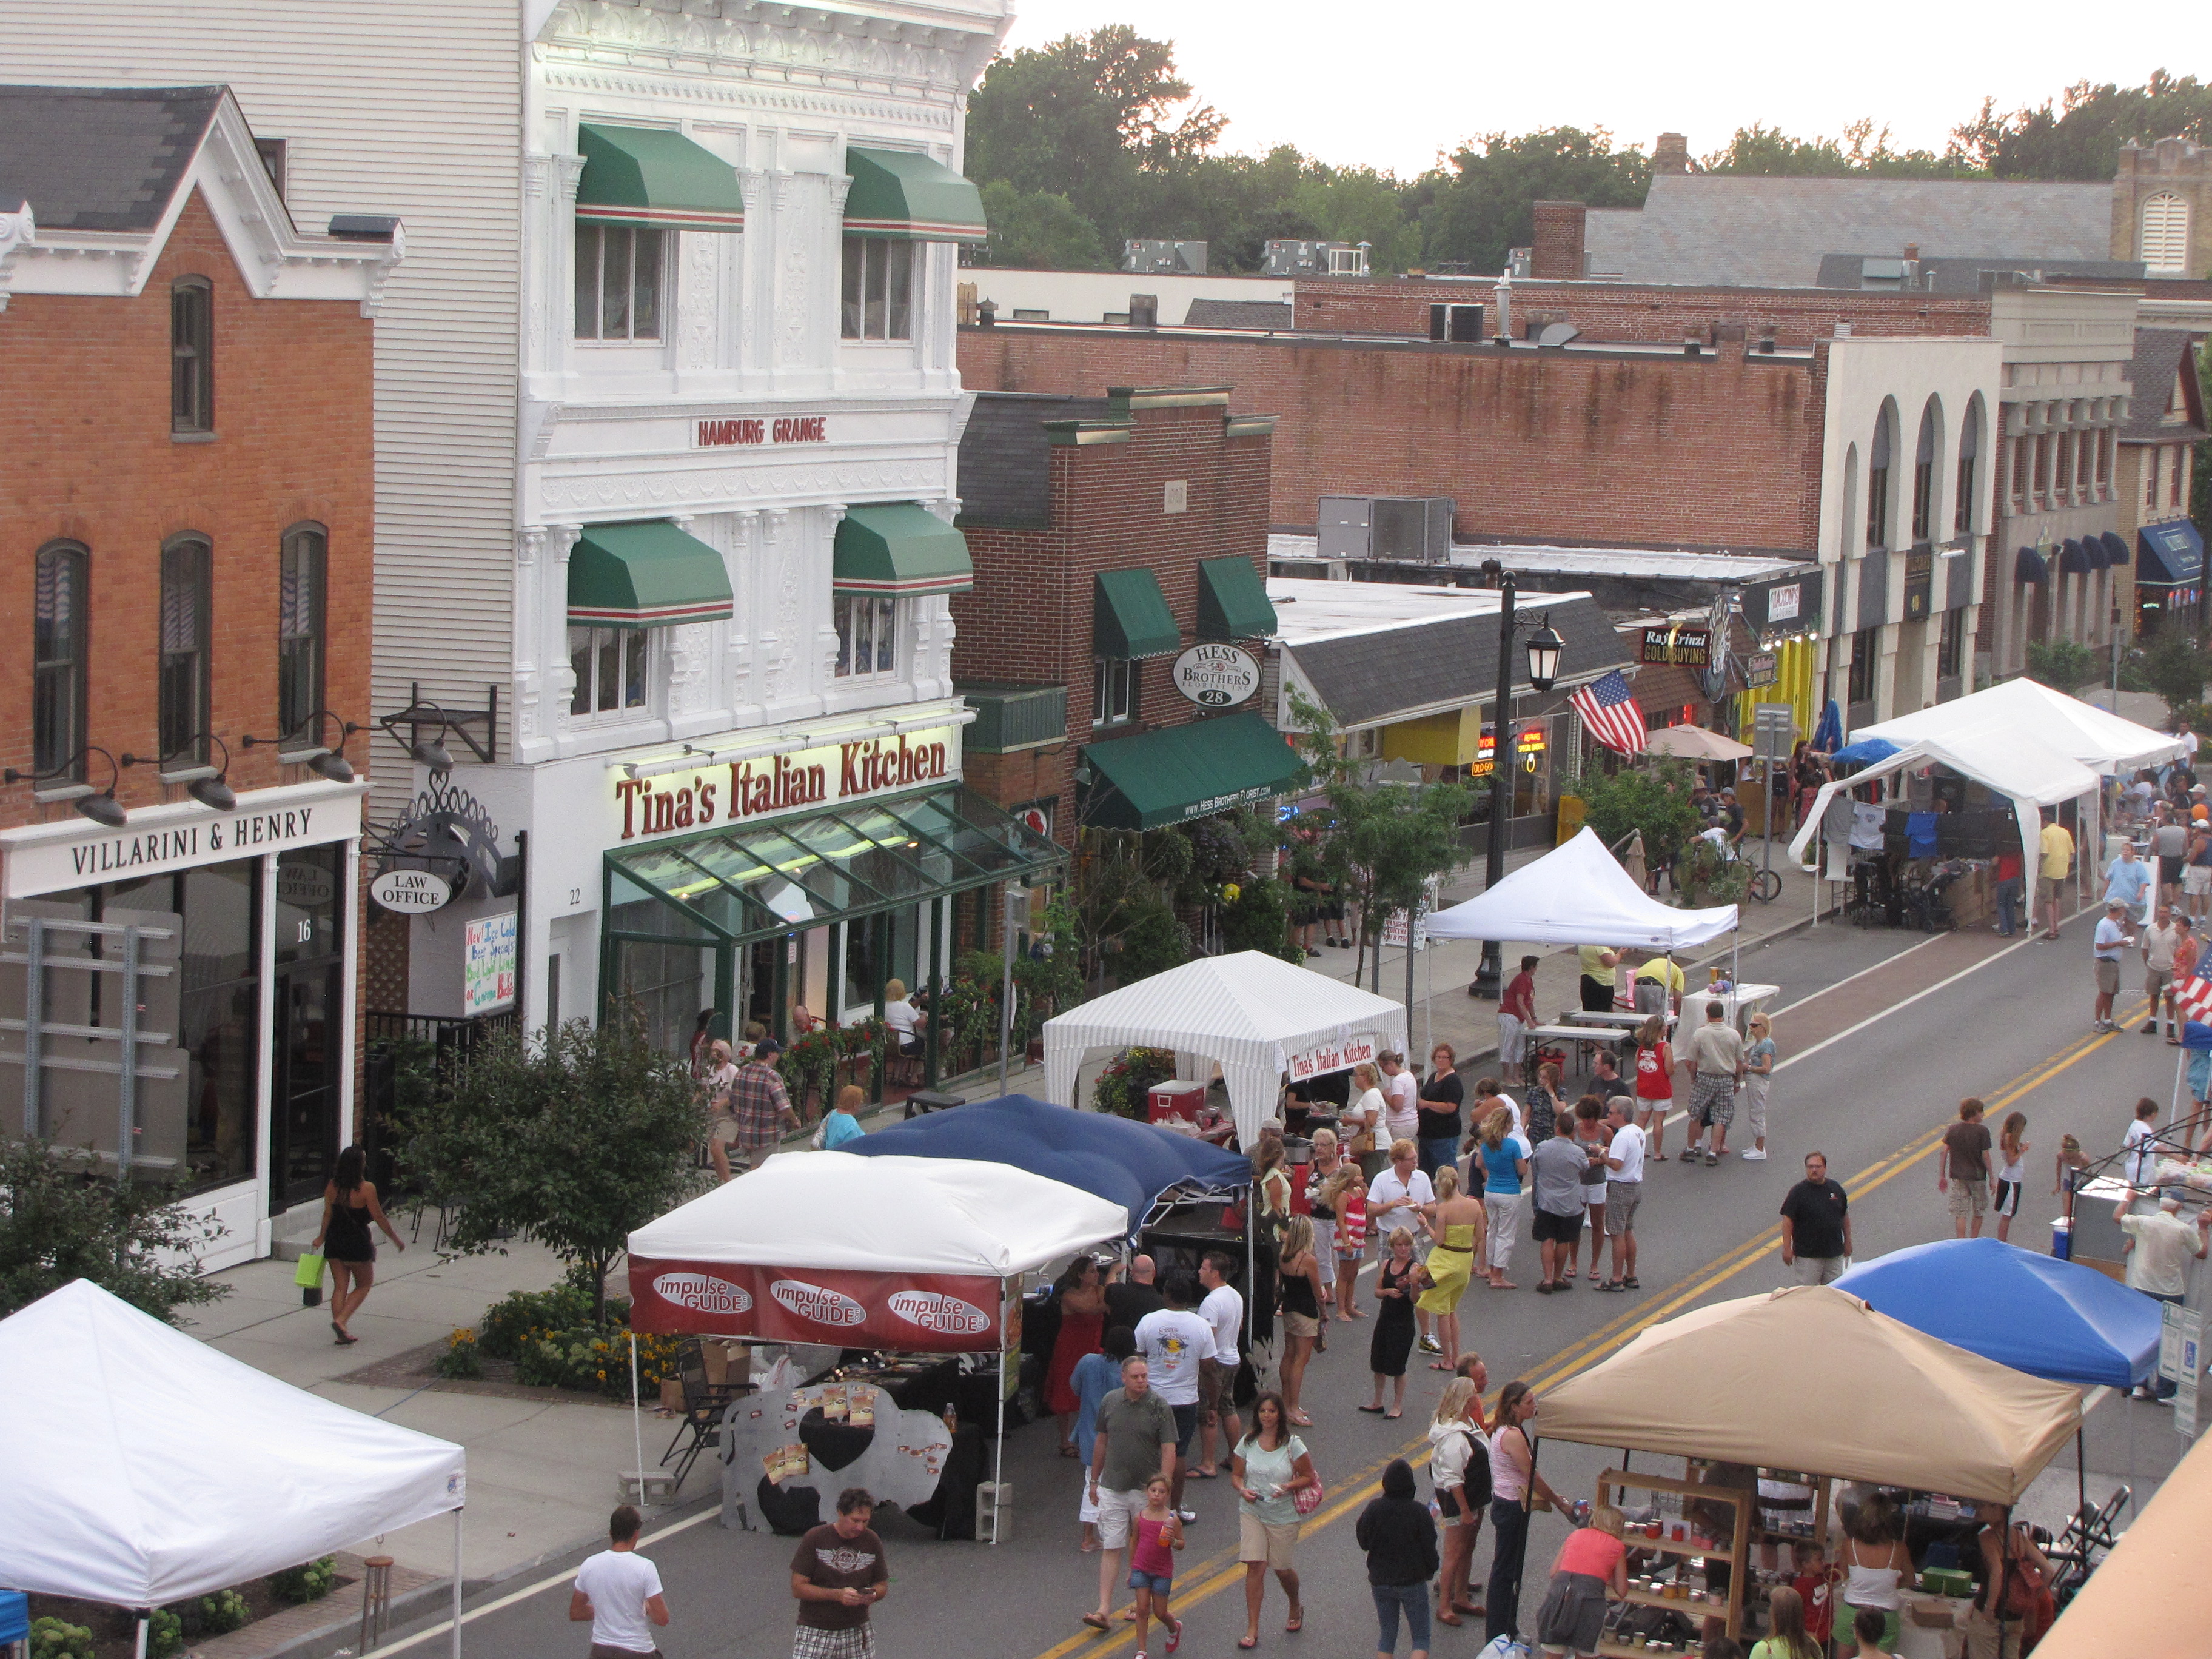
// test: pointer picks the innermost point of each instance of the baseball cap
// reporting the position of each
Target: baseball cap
(767, 1048)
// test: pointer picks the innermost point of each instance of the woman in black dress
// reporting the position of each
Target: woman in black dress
(350, 1208)
(1397, 1282)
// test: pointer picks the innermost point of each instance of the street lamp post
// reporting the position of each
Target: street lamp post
(1544, 648)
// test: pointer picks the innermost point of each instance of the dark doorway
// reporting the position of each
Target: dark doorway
(308, 1043)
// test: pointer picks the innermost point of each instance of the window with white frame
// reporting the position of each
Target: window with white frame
(2164, 246)
(620, 276)
(867, 634)
(876, 302)
(611, 667)
(1113, 691)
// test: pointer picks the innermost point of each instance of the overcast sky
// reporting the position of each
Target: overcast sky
(1393, 82)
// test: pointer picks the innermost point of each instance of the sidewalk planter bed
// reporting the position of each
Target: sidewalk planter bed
(63, 1627)
(548, 1340)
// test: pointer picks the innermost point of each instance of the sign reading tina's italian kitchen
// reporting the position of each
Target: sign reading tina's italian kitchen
(706, 796)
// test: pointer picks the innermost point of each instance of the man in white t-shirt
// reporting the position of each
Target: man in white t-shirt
(1223, 1310)
(618, 1590)
(1176, 1343)
(1623, 1190)
(2159, 1247)
(1393, 1196)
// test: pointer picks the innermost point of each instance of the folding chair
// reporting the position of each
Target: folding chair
(703, 1405)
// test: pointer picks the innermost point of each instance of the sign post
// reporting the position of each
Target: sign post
(2180, 1357)
(1771, 724)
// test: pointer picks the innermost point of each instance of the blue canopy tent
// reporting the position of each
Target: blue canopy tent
(1864, 752)
(2057, 1320)
(1125, 1163)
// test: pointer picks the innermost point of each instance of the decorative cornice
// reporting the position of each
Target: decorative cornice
(18, 231)
(568, 172)
(773, 96)
(725, 488)
(573, 413)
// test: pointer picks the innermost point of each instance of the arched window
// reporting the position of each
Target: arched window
(2164, 242)
(1970, 452)
(1878, 483)
(299, 633)
(58, 660)
(1923, 474)
(183, 645)
(191, 354)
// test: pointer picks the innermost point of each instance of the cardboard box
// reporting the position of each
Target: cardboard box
(726, 1363)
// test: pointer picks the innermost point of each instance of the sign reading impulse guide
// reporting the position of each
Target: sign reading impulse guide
(775, 783)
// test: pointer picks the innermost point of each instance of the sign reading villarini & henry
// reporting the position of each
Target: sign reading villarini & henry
(729, 793)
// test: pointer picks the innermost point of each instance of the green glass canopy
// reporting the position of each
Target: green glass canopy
(1164, 777)
(805, 870)
(650, 179)
(645, 574)
(900, 548)
(1232, 601)
(910, 199)
(1129, 616)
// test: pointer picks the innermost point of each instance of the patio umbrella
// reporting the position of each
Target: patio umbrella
(2052, 1319)
(1694, 743)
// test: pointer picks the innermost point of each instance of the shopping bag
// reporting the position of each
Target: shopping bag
(308, 1276)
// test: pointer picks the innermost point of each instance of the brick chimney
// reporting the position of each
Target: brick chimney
(1558, 248)
(1671, 154)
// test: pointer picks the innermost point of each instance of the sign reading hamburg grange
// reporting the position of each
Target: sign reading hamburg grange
(701, 799)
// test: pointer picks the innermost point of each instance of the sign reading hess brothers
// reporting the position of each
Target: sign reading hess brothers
(776, 783)
(1217, 675)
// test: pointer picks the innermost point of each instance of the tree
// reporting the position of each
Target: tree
(2174, 663)
(1653, 797)
(2082, 138)
(2064, 665)
(1380, 843)
(1485, 205)
(1861, 152)
(573, 1141)
(1039, 231)
(62, 1218)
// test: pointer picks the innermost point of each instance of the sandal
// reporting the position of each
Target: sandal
(1394, 1416)
(1449, 1619)
(1374, 1410)
(1098, 1622)
(1247, 1641)
(1068, 1450)
(1296, 1621)
(1630, 1282)
(1610, 1284)
(1301, 1419)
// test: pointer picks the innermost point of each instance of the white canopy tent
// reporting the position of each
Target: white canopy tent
(898, 1215)
(1578, 893)
(2100, 740)
(143, 1467)
(2014, 763)
(1250, 1013)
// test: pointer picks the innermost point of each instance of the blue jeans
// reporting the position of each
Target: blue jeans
(1389, 1600)
(2008, 897)
(1437, 1152)
(1508, 1543)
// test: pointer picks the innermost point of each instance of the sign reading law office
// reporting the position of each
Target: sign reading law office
(57, 857)
(766, 784)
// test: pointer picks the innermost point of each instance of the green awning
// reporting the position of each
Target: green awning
(1129, 616)
(1187, 771)
(645, 574)
(898, 547)
(910, 199)
(1232, 601)
(650, 179)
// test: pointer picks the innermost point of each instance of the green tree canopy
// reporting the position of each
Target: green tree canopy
(62, 1218)
(1484, 206)
(1861, 152)
(2081, 138)
(1039, 231)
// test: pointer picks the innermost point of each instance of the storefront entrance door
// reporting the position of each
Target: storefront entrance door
(308, 1043)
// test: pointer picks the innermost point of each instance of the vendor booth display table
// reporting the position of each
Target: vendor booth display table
(1678, 1579)
(791, 1453)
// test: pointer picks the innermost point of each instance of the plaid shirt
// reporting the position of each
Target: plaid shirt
(758, 1102)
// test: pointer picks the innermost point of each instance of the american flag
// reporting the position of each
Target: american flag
(2192, 998)
(1609, 709)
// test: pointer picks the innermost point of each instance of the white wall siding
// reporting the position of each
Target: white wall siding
(410, 107)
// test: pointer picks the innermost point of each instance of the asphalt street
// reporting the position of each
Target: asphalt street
(1881, 1034)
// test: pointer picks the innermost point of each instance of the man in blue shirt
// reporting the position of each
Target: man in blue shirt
(2112, 938)
(2127, 881)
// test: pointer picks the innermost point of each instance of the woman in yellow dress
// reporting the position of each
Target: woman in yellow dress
(1457, 1221)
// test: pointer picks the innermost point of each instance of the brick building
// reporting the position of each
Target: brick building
(2155, 475)
(1110, 641)
(185, 459)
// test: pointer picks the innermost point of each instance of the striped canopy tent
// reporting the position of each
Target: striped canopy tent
(1255, 1016)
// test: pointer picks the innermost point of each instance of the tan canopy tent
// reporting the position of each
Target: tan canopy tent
(2138, 1600)
(1812, 1378)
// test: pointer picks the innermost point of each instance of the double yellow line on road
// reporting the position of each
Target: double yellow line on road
(1222, 1571)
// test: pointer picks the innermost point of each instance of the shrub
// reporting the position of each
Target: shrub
(224, 1611)
(1257, 918)
(500, 1331)
(1124, 1087)
(460, 1361)
(594, 1362)
(54, 1638)
(310, 1581)
(1153, 942)
(2063, 665)
(165, 1633)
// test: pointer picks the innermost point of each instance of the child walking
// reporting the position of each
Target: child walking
(1154, 1536)
(2012, 1170)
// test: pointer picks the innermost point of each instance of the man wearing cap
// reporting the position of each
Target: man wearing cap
(2112, 937)
(2159, 1247)
(760, 1103)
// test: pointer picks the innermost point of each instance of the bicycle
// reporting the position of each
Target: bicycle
(1765, 885)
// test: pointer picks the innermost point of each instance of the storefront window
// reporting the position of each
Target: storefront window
(867, 634)
(877, 301)
(608, 664)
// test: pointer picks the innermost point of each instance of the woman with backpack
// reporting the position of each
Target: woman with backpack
(1459, 1467)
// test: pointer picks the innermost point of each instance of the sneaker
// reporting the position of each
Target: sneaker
(2149, 1028)
(1710, 1160)
(1188, 1515)
(1429, 1345)
(1754, 1156)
